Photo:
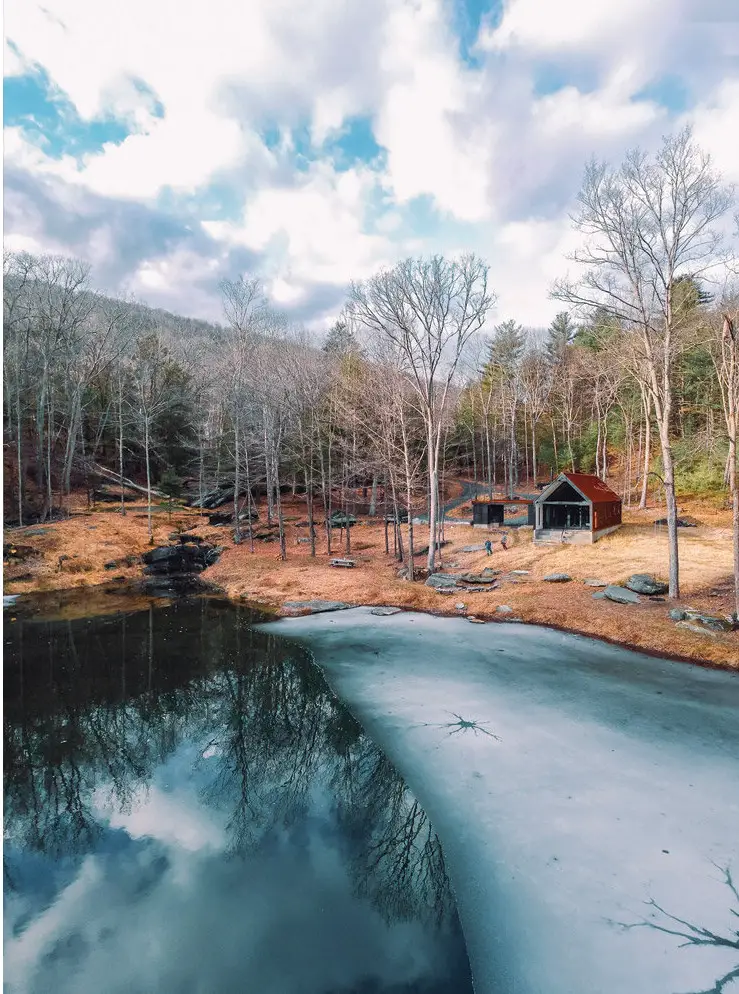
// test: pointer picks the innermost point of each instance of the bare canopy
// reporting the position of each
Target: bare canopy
(425, 311)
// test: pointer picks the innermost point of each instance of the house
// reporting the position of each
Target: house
(489, 511)
(576, 508)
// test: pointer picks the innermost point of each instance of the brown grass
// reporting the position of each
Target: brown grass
(261, 577)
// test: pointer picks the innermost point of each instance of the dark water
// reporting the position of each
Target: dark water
(189, 809)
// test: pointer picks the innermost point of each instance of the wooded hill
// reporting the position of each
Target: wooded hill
(637, 379)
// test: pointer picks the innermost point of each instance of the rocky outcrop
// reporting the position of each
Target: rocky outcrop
(713, 622)
(188, 559)
(557, 578)
(385, 612)
(296, 608)
(442, 581)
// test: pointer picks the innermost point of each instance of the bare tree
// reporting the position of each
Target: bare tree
(427, 310)
(725, 355)
(646, 225)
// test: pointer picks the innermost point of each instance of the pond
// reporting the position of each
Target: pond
(189, 808)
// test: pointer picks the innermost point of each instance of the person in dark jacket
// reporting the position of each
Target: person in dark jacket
(489, 547)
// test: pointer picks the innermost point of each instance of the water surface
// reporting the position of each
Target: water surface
(188, 808)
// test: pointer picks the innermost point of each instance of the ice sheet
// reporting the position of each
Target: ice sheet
(595, 781)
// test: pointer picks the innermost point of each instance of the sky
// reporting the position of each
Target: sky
(172, 145)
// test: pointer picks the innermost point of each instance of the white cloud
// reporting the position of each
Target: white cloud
(486, 150)
(566, 25)
(716, 126)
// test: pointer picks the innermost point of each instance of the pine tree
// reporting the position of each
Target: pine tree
(560, 335)
(340, 340)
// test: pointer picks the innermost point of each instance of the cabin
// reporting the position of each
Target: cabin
(576, 508)
(488, 512)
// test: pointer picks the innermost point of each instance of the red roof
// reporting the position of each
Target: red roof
(592, 487)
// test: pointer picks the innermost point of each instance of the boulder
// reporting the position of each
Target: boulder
(620, 595)
(557, 578)
(645, 583)
(677, 614)
(517, 572)
(385, 612)
(182, 559)
(484, 577)
(460, 606)
(599, 595)
(681, 522)
(340, 520)
(474, 620)
(504, 609)
(590, 582)
(312, 607)
(441, 580)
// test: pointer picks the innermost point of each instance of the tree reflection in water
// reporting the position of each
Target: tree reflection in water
(102, 704)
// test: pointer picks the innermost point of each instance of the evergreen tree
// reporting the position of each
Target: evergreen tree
(506, 347)
(560, 335)
(340, 340)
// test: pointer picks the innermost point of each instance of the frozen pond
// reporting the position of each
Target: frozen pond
(587, 797)
(189, 809)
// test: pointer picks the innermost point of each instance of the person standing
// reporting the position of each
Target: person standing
(504, 541)
(489, 547)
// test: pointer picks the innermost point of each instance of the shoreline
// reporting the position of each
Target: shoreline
(95, 551)
(131, 599)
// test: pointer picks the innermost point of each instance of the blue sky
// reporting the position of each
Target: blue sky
(314, 143)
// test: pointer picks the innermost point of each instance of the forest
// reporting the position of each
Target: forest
(636, 379)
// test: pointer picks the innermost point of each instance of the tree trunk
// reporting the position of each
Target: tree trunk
(120, 448)
(148, 480)
(734, 489)
(280, 519)
(672, 538)
(647, 453)
(433, 496)
(248, 499)
(19, 453)
(237, 483)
